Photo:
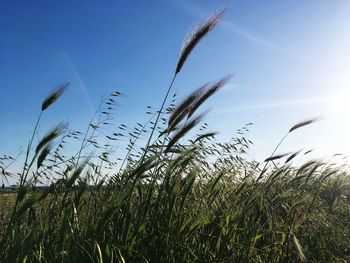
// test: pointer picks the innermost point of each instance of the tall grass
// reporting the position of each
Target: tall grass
(182, 197)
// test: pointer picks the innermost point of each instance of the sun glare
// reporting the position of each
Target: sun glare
(340, 104)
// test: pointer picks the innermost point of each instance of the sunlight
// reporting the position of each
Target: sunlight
(337, 111)
(340, 104)
(337, 72)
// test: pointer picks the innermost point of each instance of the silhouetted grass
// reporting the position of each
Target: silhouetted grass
(178, 198)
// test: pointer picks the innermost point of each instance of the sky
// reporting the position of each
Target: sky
(290, 60)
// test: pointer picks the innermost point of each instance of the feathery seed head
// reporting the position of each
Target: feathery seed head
(210, 90)
(54, 95)
(303, 123)
(50, 136)
(196, 36)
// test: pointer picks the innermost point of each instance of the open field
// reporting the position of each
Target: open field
(176, 195)
(290, 216)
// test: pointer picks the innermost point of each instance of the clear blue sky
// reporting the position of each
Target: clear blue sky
(290, 60)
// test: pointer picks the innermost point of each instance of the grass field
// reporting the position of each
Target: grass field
(189, 216)
(177, 195)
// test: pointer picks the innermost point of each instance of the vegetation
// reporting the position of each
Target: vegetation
(172, 199)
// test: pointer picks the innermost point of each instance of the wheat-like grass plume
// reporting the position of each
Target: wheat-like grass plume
(275, 157)
(292, 156)
(191, 41)
(54, 95)
(183, 108)
(211, 90)
(295, 127)
(197, 35)
(43, 154)
(303, 123)
(50, 136)
(192, 123)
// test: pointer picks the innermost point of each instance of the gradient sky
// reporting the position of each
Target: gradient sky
(290, 60)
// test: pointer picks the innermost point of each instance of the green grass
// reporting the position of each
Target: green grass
(181, 197)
